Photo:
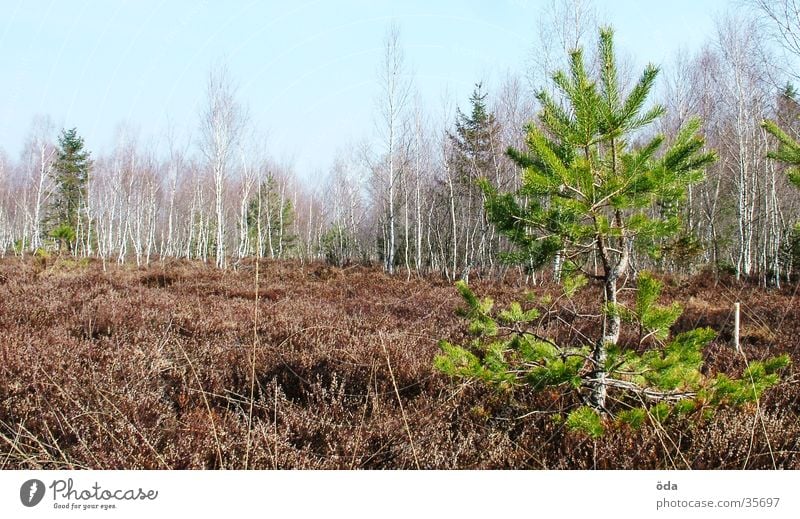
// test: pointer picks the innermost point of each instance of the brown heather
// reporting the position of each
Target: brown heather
(151, 368)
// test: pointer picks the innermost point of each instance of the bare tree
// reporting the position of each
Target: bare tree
(39, 154)
(782, 18)
(221, 126)
(563, 26)
(744, 98)
(681, 104)
(176, 163)
(249, 176)
(395, 89)
(421, 167)
(6, 195)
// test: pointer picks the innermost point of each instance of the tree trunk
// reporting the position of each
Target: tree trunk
(390, 246)
(610, 336)
(220, 237)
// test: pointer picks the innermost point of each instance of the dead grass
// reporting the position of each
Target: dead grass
(167, 367)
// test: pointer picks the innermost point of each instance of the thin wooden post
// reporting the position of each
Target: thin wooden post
(736, 326)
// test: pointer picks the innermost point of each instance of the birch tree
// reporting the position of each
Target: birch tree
(744, 99)
(221, 126)
(782, 20)
(39, 157)
(395, 88)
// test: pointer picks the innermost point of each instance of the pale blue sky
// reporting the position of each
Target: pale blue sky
(306, 69)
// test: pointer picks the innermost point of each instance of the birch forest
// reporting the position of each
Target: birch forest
(406, 196)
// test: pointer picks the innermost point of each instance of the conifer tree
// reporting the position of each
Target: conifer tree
(71, 173)
(473, 139)
(474, 157)
(588, 192)
(591, 191)
(666, 379)
(277, 219)
(788, 151)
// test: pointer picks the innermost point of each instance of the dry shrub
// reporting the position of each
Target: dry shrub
(153, 368)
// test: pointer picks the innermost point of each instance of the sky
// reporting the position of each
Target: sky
(307, 70)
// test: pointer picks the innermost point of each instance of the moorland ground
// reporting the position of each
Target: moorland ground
(179, 365)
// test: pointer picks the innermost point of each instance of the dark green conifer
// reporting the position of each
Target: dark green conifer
(475, 139)
(277, 219)
(71, 174)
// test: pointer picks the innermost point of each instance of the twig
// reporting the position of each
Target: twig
(659, 431)
(275, 421)
(363, 419)
(140, 433)
(208, 406)
(761, 420)
(14, 446)
(399, 402)
(648, 393)
(252, 373)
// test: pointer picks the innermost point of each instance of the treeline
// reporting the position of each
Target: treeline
(408, 198)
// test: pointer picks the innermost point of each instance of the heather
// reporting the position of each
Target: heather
(180, 365)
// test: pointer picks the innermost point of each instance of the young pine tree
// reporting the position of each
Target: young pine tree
(587, 192)
(590, 191)
(666, 379)
(71, 173)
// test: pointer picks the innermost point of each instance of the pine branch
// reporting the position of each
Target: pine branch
(653, 395)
